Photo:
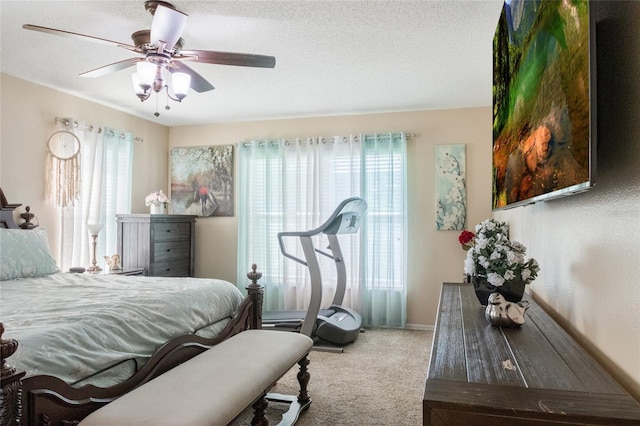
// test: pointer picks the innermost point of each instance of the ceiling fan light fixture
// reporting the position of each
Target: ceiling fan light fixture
(161, 47)
(181, 82)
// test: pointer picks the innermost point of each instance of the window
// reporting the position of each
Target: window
(295, 186)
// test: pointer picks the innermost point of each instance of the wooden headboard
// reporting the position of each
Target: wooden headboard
(6, 212)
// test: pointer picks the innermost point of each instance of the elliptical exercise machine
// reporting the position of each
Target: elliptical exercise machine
(336, 324)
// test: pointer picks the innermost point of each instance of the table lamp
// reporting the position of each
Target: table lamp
(94, 229)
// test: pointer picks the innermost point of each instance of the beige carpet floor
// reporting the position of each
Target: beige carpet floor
(378, 380)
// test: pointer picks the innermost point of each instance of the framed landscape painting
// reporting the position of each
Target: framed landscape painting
(202, 180)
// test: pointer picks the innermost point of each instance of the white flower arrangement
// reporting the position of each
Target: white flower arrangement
(493, 255)
(156, 198)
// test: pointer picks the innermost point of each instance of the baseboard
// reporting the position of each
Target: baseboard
(421, 327)
(416, 327)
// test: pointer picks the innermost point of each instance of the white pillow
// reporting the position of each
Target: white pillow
(25, 254)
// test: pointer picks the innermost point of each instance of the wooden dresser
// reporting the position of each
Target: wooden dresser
(161, 244)
(532, 375)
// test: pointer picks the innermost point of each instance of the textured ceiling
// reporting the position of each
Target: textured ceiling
(332, 57)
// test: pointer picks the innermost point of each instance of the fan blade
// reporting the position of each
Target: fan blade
(198, 82)
(80, 36)
(108, 69)
(167, 26)
(227, 58)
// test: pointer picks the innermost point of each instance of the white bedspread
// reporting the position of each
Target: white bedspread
(72, 325)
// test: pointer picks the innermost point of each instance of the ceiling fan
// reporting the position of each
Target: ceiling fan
(161, 47)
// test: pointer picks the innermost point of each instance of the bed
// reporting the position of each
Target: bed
(74, 342)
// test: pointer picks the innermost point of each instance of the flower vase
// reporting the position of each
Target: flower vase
(512, 291)
(158, 208)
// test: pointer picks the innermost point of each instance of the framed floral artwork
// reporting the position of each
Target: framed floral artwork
(451, 192)
(202, 180)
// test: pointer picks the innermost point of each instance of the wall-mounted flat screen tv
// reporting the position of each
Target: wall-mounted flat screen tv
(544, 121)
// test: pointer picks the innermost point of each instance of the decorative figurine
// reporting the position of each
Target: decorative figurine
(502, 313)
(113, 262)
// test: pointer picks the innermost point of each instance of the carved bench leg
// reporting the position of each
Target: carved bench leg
(259, 408)
(297, 404)
(303, 379)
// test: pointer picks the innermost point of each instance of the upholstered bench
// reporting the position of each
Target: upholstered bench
(214, 387)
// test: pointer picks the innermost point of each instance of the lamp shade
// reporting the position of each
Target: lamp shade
(146, 74)
(167, 26)
(94, 228)
(181, 82)
(136, 84)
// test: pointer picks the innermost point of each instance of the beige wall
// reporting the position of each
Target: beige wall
(434, 256)
(28, 113)
(588, 245)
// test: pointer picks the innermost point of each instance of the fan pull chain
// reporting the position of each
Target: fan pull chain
(157, 114)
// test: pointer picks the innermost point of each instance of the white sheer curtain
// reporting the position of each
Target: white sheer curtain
(106, 169)
(296, 185)
(117, 178)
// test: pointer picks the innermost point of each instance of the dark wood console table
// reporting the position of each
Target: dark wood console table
(535, 374)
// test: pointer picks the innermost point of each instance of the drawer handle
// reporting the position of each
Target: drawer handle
(168, 250)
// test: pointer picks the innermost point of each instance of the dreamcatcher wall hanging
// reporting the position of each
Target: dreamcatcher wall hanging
(63, 174)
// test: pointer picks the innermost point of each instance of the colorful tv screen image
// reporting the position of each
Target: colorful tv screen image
(543, 89)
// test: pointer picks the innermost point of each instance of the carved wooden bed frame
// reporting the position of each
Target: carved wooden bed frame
(47, 400)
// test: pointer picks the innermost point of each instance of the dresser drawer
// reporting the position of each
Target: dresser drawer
(171, 250)
(170, 231)
(179, 268)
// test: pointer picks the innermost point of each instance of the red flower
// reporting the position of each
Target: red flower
(466, 239)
